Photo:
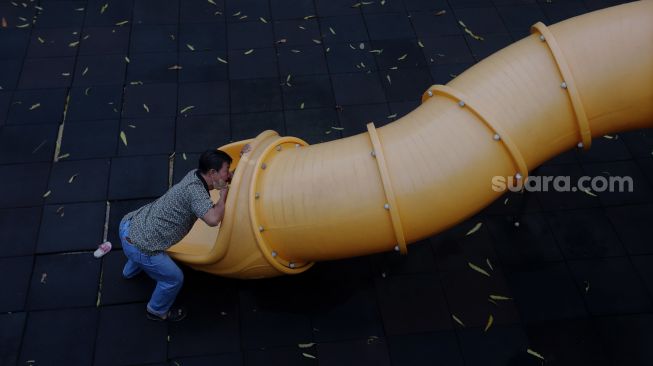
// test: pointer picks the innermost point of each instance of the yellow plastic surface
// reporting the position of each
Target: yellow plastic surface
(291, 204)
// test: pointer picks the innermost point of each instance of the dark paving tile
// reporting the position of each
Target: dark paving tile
(198, 11)
(443, 74)
(454, 248)
(346, 57)
(148, 136)
(46, 73)
(482, 21)
(15, 42)
(246, 126)
(290, 33)
(184, 163)
(91, 139)
(626, 338)
(152, 68)
(545, 293)
(153, 38)
(94, 103)
(5, 102)
(253, 63)
(30, 143)
(149, 101)
(252, 34)
(605, 150)
(118, 210)
(64, 280)
(57, 42)
(611, 286)
(519, 18)
(468, 293)
(279, 356)
(421, 349)
(105, 40)
(521, 247)
(644, 267)
(51, 335)
(9, 72)
(639, 143)
(212, 325)
(401, 53)
(632, 226)
(19, 231)
(427, 24)
(490, 44)
(202, 66)
(301, 60)
(268, 316)
(199, 133)
(14, 282)
(138, 177)
(389, 26)
(403, 108)
(313, 125)
(144, 343)
(646, 165)
(565, 197)
(335, 7)
(116, 12)
(567, 342)
(567, 157)
(411, 304)
(354, 118)
(100, 70)
(61, 14)
(500, 345)
(156, 12)
(255, 95)
(559, 11)
(37, 106)
(387, 6)
(71, 227)
(203, 37)
(346, 28)
(408, 84)
(312, 91)
(25, 182)
(372, 351)
(75, 181)
(514, 204)
(585, 234)
(419, 259)
(357, 89)
(638, 192)
(253, 9)
(205, 98)
(293, 9)
(116, 289)
(11, 333)
(227, 359)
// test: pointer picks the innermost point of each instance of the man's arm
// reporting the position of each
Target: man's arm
(216, 213)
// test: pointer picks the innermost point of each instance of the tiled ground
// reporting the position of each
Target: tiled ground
(578, 270)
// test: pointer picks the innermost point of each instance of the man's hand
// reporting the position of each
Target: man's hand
(216, 213)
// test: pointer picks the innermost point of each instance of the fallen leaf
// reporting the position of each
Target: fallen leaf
(127, 59)
(147, 109)
(389, 80)
(361, 46)
(190, 47)
(301, 106)
(46, 194)
(122, 23)
(392, 116)
(72, 178)
(282, 40)
(183, 155)
(533, 353)
(243, 17)
(479, 38)
(474, 229)
(309, 17)
(441, 12)
(490, 320)
(489, 264)
(332, 31)
(307, 355)
(175, 67)
(295, 51)
(378, 52)
(60, 211)
(500, 297)
(41, 40)
(73, 44)
(34, 106)
(457, 320)
(478, 269)
(236, 14)
(212, 2)
(132, 126)
(222, 60)
(22, 26)
(86, 91)
(123, 137)
(587, 286)
(40, 146)
(317, 41)
(263, 20)
(85, 71)
(62, 156)
(337, 128)
(104, 8)
(44, 277)
(587, 191)
(186, 109)
(505, 202)
(305, 345)
(420, 44)
(608, 137)
(65, 74)
(249, 51)
(403, 57)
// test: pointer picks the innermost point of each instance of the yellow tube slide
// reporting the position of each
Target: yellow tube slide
(291, 204)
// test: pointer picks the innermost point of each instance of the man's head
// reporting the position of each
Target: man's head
(214, 164)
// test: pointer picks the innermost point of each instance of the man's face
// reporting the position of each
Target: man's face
(220, 176)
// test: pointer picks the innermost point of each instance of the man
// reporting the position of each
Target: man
(147, 232)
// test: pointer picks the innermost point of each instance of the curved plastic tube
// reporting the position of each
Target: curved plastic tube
(292, 204)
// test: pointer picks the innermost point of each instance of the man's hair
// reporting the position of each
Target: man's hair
(213, 159)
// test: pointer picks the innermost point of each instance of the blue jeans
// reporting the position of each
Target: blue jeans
(160, 268)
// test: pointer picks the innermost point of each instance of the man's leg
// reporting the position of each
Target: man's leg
(169, 279)
(132, 267)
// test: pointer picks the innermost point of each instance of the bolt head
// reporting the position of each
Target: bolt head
(396, 248)
(580, 145)
(279, 148)
(542, 37)
(461, 103)
(373, 153)
(257, 195)
(263, 166)
(386, 206)
(430, 93)
(274, 254)
(516, 223)
(296, 145)
(518, 176)
(260, 228)
(563, 85)
(497, 137)
(291, 265)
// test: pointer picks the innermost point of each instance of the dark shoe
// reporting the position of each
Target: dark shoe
(175, 314)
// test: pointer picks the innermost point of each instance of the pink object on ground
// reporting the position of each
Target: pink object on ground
(102, 249)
